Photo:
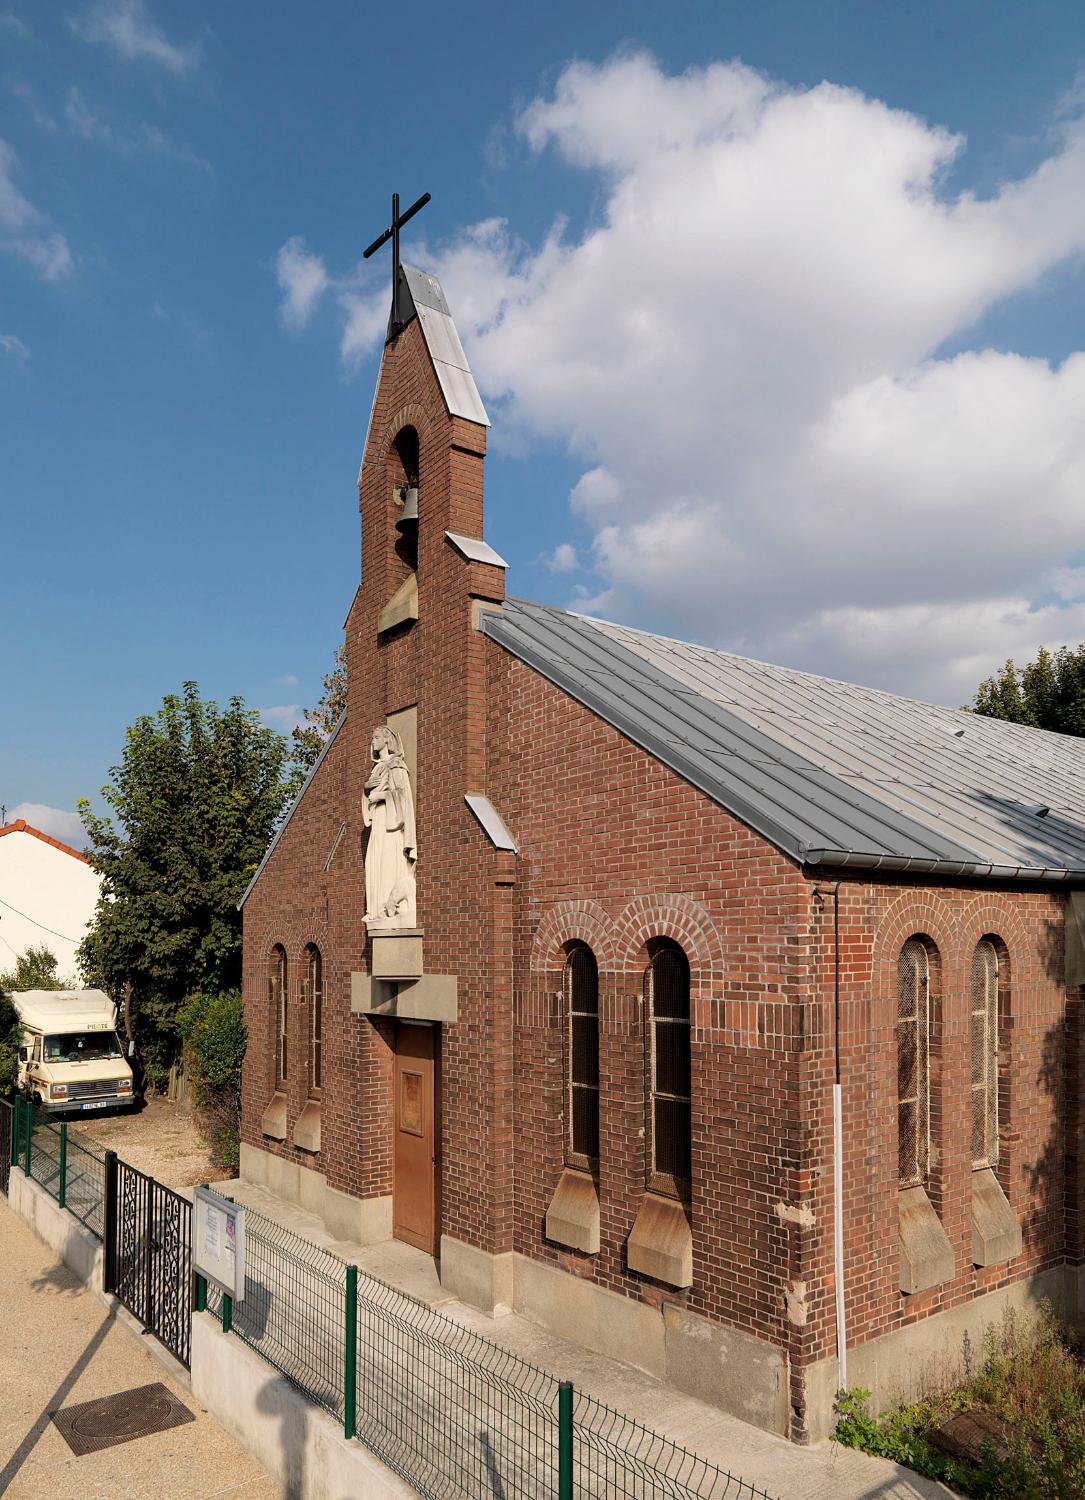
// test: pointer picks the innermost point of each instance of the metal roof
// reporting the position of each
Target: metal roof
(445, 350)
(830, 772)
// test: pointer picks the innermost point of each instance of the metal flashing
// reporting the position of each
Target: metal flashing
(270, 850)
(476, 550)
(493, 824)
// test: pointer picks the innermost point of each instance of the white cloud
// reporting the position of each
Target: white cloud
(24, 229)
(125, 27)
(26, 96)
(13, 345)
(283, 716)
(302, 280)
(743, 349)
(9, 21)
(57, 822)
(142, 139)
(562, 559)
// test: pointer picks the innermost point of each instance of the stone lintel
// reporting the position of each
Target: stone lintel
(397, 953)
(307, 1127)
(926, 1256)
(434, 997)
(573, 1216)
(661, 1242)
(996, 1234)
(273, 1120)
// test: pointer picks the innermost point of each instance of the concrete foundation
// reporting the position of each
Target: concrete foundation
(366, 1221)
(476, 1277)
(294, 1440)
(902, 1364)
(80, 1250)
(722, 1366)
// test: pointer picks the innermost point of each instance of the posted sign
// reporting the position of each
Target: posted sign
(218, 1241)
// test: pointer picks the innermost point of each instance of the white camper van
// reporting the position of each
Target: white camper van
(69, 1057)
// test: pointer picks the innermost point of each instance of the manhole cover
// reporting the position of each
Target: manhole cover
(94, 1425)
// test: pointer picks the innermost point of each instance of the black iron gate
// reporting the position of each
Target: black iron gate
(149, 1253)
(7, 1126)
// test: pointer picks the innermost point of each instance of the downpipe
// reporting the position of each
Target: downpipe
(838, 1155)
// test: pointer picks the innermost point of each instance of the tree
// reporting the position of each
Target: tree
(1048, 693)
(36, 969)
(309, 738)
(196, 799)
(213, 1027)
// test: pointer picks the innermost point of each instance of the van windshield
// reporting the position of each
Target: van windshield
(82, 1046)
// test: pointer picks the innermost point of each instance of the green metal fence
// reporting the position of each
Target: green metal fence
(69, 1165)
(451, 1412)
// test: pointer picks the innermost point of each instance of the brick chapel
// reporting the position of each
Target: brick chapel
(721, 1017)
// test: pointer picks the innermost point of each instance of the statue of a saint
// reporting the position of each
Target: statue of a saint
(388, 813)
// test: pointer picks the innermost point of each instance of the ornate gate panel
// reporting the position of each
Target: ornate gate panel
(149, 1254)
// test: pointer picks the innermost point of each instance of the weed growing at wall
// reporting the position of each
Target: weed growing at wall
(1033, 1380)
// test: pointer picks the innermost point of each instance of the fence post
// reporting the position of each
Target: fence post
(16, 1125)
(227, 1312)
(350, 1354)
(201, 1293)
(565, 1440)
(28, 1121)
(109, 1228)
(62, 1193)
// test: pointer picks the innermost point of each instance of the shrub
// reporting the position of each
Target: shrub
(213, 1028)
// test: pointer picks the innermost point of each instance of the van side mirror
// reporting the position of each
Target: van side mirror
(24, 1053)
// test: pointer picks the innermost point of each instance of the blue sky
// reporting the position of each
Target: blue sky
(750, 343)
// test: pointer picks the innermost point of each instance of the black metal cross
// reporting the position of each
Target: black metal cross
(392, 233)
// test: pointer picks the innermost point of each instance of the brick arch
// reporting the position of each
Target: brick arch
(573, 921)
(410, 414)
(984, 917)
(912, 915)
(680, 918)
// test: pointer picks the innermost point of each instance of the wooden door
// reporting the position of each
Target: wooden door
(417, 1134)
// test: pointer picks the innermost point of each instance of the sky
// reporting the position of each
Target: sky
(778, 310)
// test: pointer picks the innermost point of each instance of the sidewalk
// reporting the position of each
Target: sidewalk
(58, 1346)
(822, 1472)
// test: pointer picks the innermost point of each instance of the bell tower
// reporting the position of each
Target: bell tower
(438, 890)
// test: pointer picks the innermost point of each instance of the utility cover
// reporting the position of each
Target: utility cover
(93, 1425)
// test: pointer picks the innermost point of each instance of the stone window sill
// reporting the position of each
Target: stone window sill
(661, 1242)
(573, 1216)
(996, 1234)
(307, 1127)
(273, 1121)
(926, 1256)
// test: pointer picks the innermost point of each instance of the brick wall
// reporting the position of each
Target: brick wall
(617, 851)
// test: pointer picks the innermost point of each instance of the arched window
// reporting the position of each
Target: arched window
(988, 971)
(276, 988)
(913, 1062)
(670, 1114)
(314, 985)
(582, 1056)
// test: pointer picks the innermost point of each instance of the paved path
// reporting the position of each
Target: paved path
(824, 1471)
(59, 1345)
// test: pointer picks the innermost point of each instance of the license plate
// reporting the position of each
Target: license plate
(97, 1103)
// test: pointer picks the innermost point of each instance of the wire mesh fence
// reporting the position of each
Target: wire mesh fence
(7, 1141)
(69, 1165)
(453, 1413)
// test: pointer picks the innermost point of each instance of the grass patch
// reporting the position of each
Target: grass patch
(1034, 1379)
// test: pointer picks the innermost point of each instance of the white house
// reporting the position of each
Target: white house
(48, 893)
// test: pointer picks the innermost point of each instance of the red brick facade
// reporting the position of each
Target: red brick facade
(615, 851)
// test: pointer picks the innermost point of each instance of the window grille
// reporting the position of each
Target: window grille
(670, 1113)
(985, 967)
(582, 1069)
(316, 1017)
(276, 989)
(913, 1062)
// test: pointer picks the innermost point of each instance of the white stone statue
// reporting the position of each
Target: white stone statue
(388, 813)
